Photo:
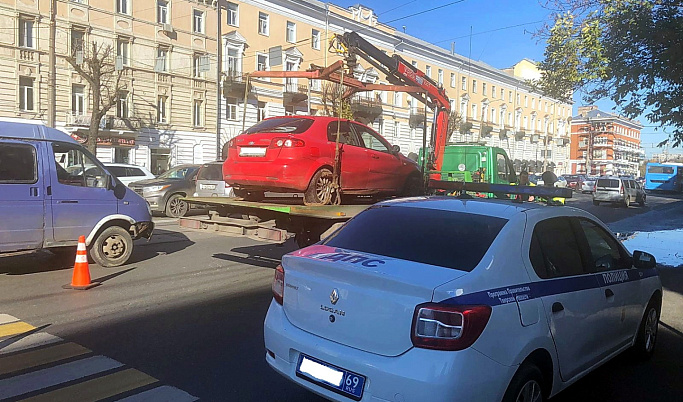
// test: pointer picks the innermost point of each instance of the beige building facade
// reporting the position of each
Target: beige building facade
(168, 51)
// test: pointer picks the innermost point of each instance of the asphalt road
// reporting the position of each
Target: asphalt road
(188, 311)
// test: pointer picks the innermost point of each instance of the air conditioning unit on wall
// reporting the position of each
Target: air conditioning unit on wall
(168, 28)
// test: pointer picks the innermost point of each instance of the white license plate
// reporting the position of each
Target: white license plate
(252, 151)
(331, 377)
(207, 186)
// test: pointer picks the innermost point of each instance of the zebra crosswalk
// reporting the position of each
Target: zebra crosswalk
(38, 366)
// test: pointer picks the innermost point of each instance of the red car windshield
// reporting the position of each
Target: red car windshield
(284, 125)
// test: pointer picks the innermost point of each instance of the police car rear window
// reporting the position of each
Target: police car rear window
(448, 239)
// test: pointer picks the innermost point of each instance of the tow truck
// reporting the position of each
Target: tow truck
(284, 219)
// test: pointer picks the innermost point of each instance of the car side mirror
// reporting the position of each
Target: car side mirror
(395, 149)
(643, 260)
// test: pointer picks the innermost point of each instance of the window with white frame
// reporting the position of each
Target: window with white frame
(474, 111)
(291, 32)
(484, 111)
(262, 62)
(463, 84)
(414, 63)
(27, 33)
(493, 91)
(428, 71)
(198, 21)
(77, 100)
(77, 39)
(474, 86)
(452, 80)
(263, 23)
(526, 101)
(122, 104)
(262, 111)
(546, 107)
(483, 89)
(197, 62)
(315, 85)
(452, 102)
(162, 12)
(510, 96)
(162, 109)
(533, 103)
(122, 6)
(510, 120)
(526, 123)
(197, 113)
(123, 51)
(162, 59)
(493, 115)
(315, 39)
(518, 120)
(502, 118)
(231, 108)
(398, 99)
(233, 61)
(518, 100)
(26, 94)
(463, 109)
(440, 76)
(233, 14)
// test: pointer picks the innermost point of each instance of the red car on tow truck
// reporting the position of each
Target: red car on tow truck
(297, 153)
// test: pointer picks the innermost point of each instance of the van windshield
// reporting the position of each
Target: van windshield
(285, 125)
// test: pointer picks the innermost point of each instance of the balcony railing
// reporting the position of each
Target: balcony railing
(107, 122)
(235, 85)
(294, 92)
(366, 109)
(417, 117)
(27, 54)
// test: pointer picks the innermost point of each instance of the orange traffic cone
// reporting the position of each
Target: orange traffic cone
(81, 277)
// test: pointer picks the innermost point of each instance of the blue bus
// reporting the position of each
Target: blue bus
(664, 177)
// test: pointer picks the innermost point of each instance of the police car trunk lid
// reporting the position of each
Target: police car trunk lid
(360, 300)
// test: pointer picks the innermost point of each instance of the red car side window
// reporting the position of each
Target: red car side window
(346, 136)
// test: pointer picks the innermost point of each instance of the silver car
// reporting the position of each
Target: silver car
(210, 181)
(618, 190)
(588, 184)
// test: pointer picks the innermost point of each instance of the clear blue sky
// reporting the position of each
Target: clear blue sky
(501, 48)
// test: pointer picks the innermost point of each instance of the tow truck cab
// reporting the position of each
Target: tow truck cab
(462, 161)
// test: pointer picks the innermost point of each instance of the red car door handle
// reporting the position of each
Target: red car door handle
(375, 156)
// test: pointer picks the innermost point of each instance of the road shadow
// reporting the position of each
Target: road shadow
(163, 242)
(262, 255)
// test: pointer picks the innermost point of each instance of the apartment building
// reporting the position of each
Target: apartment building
(164, 112)
(167, 49)
(607, 143)
(496, 106)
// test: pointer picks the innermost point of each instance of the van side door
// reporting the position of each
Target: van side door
(22, 202)
(79, 193)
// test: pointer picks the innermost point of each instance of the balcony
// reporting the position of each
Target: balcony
(27, 55)
(519, 135)
(294, 93)
(503, 134)
(366, 109)
(235, 85)
(417, 117)
(107, 122)
(486, 131)
(465, 127)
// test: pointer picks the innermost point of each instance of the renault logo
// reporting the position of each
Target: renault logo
(334, 296)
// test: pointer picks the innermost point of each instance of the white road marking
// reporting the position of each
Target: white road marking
(22, 384)
(161, 394)
(29, 342)
(6, 319)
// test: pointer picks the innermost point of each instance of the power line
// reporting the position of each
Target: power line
(489, 31)
(424, 11)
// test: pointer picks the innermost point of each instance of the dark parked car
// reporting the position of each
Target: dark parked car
(574, 181)
(165, 193)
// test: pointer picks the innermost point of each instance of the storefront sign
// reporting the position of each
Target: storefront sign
(107, 141)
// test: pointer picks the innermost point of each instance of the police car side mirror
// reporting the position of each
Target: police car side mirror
(643, 260)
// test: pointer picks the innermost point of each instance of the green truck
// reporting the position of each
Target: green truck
(472, 162)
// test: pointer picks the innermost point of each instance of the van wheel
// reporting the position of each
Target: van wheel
(112, 247)
(176, 207)
(526, 385)
(646, 339)
(320, 191)
(596, 203)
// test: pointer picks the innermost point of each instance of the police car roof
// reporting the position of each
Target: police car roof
(26, 131)
(491, 207)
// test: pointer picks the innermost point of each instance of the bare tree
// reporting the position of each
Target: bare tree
(333, 104)
(96, 64)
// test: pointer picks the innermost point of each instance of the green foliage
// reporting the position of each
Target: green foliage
(628, 51)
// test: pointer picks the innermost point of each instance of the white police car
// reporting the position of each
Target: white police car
(444, 299)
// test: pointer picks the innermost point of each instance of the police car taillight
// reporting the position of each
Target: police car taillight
(279, 284)
(443, 327)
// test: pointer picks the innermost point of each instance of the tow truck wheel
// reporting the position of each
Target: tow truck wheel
(526, 385)
(112, 247)
(319, 191)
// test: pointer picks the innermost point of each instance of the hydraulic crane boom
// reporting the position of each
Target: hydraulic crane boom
(400, 72)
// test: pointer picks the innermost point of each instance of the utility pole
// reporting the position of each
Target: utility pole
(52, 80)
(219, 76)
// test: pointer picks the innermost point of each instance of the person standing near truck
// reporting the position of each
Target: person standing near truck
(523, 180)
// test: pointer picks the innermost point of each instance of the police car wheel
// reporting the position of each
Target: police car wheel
(526, 385)
(644, 347)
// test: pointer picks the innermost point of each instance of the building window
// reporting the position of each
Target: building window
(474, 111)
(440, 77)
(463, 85)
(26, 93)
(198, 21)
(262, 112)
(533, 103)
(315, 39)
(414, 63)
(291, 32)
(510, 96)
(162, 60)
(122, 104)
(493, 91)
(397, 99)
(452, 80)
(493, 116)
(231, 108)
(428, 71)
(197, 117)
(263, 27)
(463, 109)
(233, 62)
(233, 14)
(546, 107)
(262, 62)
(197, 64)
(122, 51)
(77, 100)
(122, 7)
(162, 109)
(526, 101)
(483, 89)
(26, 33)
(526, 123)
(474, 86)
(502, 94)
(77, 39)
(162, 12)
